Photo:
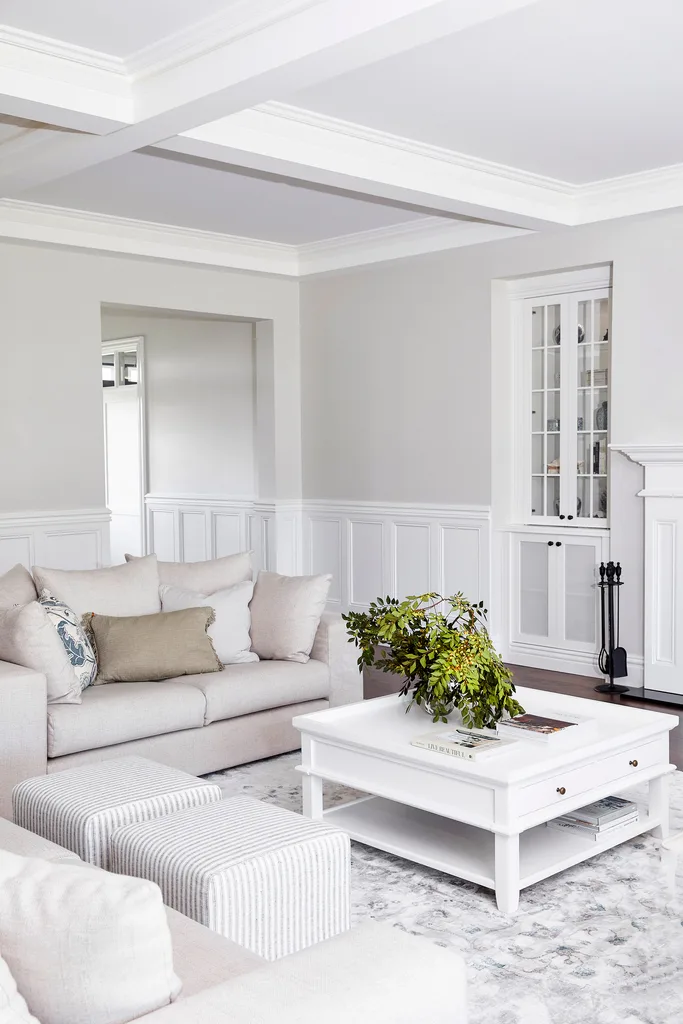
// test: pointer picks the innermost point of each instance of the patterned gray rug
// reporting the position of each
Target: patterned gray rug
(601, 943)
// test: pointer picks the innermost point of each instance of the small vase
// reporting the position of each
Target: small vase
(442, 708)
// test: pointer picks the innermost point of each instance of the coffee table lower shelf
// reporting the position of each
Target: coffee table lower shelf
(464, 850)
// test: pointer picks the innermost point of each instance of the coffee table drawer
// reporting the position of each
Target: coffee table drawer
(568, 785)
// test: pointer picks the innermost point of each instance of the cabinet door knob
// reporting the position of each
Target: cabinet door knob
(634, 763)
(570, 517)
(550, 543)
(558, 543)
(563, 517)
(561, 790)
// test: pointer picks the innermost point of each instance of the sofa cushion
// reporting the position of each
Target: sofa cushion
(285, 615)
(84, 946)
(17, 587)
(13, 1008)
(230, 628)
(205, 577)
(119, 712)
(119, 590)
(28, 638)
(256, 686)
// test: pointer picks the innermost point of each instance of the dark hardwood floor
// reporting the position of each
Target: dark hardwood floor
(379, 683)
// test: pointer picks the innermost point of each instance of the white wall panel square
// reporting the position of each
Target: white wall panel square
(326, 552)
(367, 561)
(163, 535)
(461, 562)
(13, 550)
(226, 533)
(77, 550)
(412, 559)
(193, 536)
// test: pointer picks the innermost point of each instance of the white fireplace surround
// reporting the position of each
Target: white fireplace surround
(663, 575)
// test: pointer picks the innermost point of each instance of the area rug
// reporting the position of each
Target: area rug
(601, 943)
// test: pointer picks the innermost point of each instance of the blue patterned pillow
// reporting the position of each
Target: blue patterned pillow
(77, 645)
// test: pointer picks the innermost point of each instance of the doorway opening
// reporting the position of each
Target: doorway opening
(125, 447)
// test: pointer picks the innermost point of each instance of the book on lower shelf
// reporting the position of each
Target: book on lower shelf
(542, 728)
(461, 743)
(598, 819)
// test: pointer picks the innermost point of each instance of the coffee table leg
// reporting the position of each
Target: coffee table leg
(313, 796)
(507, 873)
(658, 805)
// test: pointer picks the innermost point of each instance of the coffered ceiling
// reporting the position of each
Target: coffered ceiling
(296, 136)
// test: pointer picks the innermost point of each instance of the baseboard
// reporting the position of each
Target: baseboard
(579, 663)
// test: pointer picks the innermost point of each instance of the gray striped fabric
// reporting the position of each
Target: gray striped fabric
(79, 808)
(267, 878)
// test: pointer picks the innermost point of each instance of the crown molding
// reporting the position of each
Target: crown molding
(55, 225)
(651, 454)
(399, 241)
(62, 50)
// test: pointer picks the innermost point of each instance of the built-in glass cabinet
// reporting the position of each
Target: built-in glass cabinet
(565, 412)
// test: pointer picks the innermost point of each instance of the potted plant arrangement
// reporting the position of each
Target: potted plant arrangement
(441, 647)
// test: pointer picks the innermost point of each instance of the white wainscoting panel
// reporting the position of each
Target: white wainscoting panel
(73, 539)
(376, 549)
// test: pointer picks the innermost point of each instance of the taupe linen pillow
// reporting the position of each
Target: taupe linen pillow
(142, 648)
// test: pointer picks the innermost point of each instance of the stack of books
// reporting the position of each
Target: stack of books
(597, 820)
(461, 743)
(543, 728)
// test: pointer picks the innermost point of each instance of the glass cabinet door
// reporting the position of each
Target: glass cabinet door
(567, 408)
(546, 422)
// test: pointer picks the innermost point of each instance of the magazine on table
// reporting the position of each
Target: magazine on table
(562, 825)
(602, 812)
(542, 728)
(462, 743)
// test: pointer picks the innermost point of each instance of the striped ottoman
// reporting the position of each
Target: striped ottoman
(79, 808)
(266, 878)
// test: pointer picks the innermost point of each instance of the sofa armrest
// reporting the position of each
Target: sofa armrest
(332, 646)
(373, 973)
(23, 729)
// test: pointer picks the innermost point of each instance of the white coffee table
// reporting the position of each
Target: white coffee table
(485, 820)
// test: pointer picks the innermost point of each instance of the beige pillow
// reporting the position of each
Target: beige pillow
(84, 946)
(139, 648)
(17, 587)
(28, 638)
(285, 615)
(205, 577)
(118, 590)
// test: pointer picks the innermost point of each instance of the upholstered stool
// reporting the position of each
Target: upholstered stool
(79, 808)
(267, 878)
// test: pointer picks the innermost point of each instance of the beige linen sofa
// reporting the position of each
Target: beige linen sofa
(200, 723)
(372, 973)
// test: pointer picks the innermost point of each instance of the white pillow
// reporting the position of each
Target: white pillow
(28, 638)
(16, 587)
(230, 630)
(205, 577)
(13, 1008)
(285, 615)
(84, 946)
(120, 590)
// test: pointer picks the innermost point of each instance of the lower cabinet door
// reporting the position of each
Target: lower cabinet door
(534, 581)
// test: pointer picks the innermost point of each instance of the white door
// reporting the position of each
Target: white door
(124, 449)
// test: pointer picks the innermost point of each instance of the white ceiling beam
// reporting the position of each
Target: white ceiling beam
(298, 144)
(292, 44)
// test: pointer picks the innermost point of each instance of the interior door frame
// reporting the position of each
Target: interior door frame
(114, 346)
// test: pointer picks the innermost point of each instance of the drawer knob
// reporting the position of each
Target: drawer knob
(561, 790)
(634, 764)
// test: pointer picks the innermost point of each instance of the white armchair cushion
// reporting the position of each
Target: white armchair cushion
(13, 1008)
(285, 614)
(230, 629)
(84, 946)
(131, 589)
(28, 638)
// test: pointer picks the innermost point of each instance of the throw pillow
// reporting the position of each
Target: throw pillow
(13, 1008)
(17, 587)
(28, 638)
(285, 615)
(84, 946)
(76, 642)
(230, 629)
(205, 577)
(133, 649)
(119, 590)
